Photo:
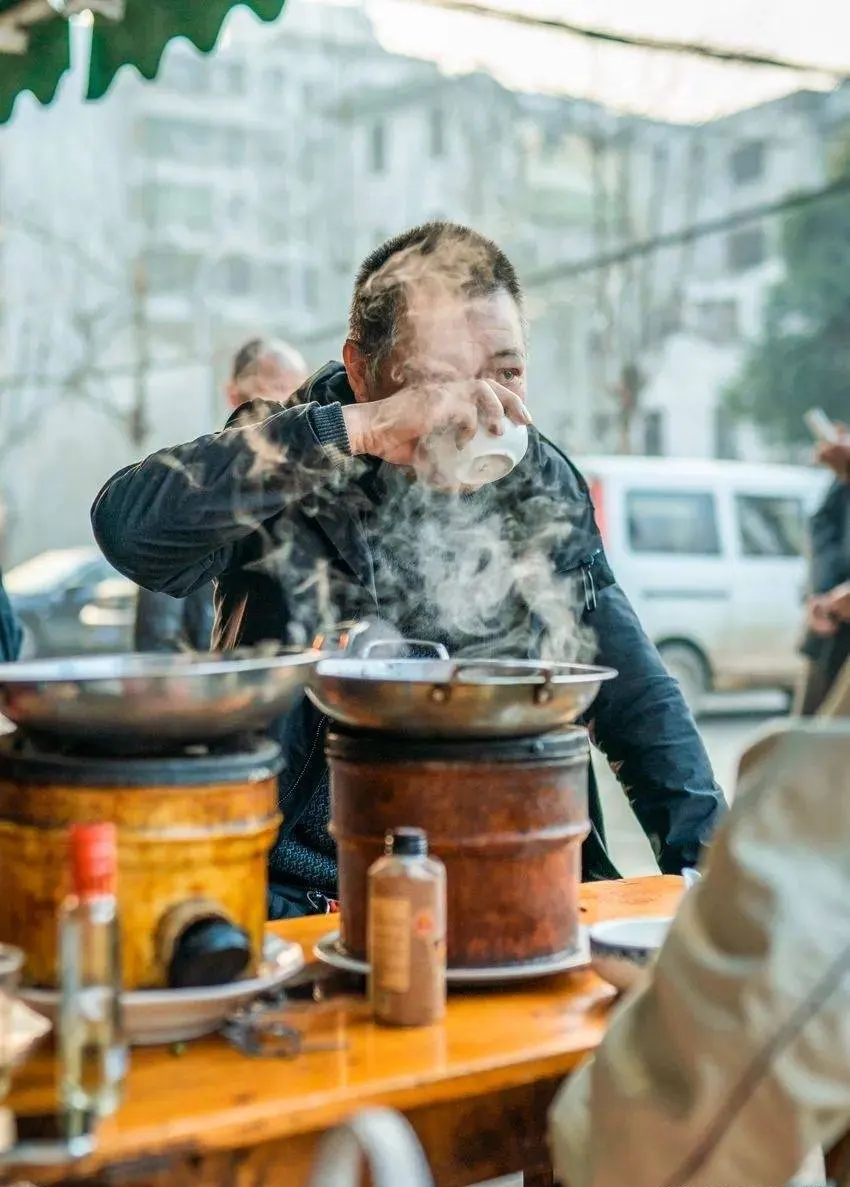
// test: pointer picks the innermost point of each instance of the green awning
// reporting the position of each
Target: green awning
(39, 68)
(138, 39)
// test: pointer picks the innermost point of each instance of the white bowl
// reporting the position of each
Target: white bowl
(620, 949)
(155, 1016)
(486, 458)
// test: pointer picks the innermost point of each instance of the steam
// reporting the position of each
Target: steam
(476, 573)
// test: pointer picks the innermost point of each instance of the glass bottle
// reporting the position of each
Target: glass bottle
(92, 1047)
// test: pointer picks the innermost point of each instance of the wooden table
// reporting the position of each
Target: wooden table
(475, 1088)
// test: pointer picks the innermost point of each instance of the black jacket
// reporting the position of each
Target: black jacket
(164, 623)
(262, 505)
(830, 566)
(830, 540)
(11, 635)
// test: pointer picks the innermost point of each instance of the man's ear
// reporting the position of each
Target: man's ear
(356, 366)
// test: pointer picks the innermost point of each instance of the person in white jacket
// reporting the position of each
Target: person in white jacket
(731, 1063)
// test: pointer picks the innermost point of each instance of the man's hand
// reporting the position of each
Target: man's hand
(818, 617)
(837, 455)
(396, 428)
(837, 602)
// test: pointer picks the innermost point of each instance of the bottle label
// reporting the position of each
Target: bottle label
(390, 934)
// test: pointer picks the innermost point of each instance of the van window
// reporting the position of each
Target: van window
(678, 523)
(771, 525)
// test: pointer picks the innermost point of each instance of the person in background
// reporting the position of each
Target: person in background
(827, 642)
(263, 368)
(267, 369)
(729, 1064)
(11, 634)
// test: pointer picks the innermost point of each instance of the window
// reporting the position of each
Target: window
(276, 282)
(746, 249)
(717, 320)
(437, 133)
(307, 165)
(178, 140)
(746, 163)
(237, 209)
(236, 276)
(274, 81)
(271, 147)
(183, 206)
(378, 147)
(230, 78)
(771, 525)
(653, 433)
(275, 225)
(187, 73)
(170, 272)
(189, 205)
(673, 523)
(603, 423)
(725, 436)
(234, 146)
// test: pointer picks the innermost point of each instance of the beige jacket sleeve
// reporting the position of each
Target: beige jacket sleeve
(733, 1061)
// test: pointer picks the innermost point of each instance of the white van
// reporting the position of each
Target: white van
(712, 556)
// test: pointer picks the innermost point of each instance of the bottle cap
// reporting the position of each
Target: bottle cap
(406, 842)
(94, 859)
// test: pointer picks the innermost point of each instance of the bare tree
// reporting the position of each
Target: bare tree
(639, 303)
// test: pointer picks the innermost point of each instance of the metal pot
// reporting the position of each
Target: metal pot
(124, 700)
(446, 698)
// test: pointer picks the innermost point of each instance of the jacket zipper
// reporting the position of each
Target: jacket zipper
(588, 581)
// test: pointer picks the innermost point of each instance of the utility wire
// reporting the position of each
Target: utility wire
(689, 234)
(713, 52)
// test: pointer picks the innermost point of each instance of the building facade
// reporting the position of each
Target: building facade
(146, 236)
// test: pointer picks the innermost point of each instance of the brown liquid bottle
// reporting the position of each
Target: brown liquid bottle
(407, 932)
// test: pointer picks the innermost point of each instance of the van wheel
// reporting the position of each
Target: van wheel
(690, 670)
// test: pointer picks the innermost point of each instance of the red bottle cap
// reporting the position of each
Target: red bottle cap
(94, 859)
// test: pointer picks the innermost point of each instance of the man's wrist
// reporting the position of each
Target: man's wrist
(329, 428)
(355, 417)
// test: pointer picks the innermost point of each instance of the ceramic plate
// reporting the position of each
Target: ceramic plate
(155, 1016)
(330, 952)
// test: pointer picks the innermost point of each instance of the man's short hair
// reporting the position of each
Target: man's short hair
(464, 260)
(248, 357)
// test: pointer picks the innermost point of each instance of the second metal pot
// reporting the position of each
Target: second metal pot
(454, 698)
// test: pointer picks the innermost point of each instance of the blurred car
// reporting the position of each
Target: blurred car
(712, 556)
(71, 601)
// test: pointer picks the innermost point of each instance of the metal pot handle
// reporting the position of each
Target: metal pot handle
(542, 695)
(340, 637)
(426, 644)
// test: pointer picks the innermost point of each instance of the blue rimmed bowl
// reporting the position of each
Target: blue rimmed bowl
(620, 949)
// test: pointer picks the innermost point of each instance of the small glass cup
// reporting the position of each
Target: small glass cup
(11, 963)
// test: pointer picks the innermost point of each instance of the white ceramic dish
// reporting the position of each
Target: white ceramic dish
(485, 458)
(329, 951)
(620, 949)
(155, 1016)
